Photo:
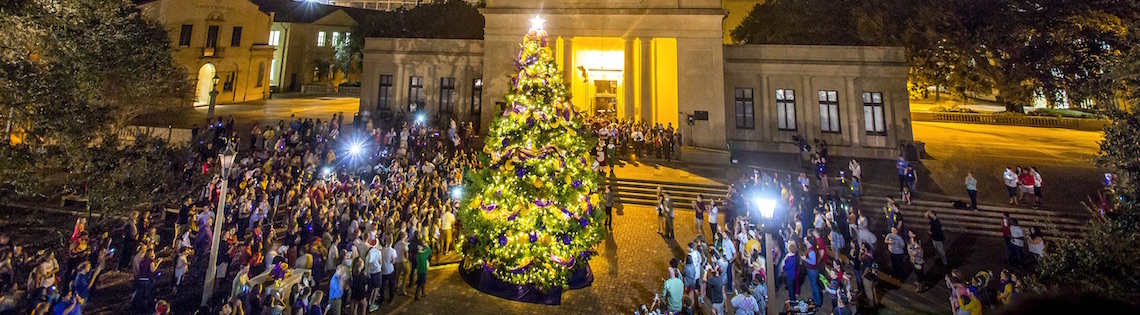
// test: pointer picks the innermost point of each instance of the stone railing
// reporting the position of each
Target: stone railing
(1014, 120)
(325, 89)
(173, 135)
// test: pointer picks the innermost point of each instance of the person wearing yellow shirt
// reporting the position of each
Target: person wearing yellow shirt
(968, 304)
(1008, 287)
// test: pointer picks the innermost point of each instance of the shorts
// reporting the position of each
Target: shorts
(377, 279)
(421, 279)
(1037, 191)
(1027, 189)
(1012, 191)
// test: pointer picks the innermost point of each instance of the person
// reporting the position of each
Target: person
(660, 210)
(359, 288)
(672, 292)
(901, 166)
(869, 273)
(790, 271)
(1036, 187)
(1007, 288)
(421, 270)
(1036, 244)
(1010, 179)
(689, 276)
(744, 303)
(911, 179)
(611, 155)
(609, 203)
(811, 261)
(1017, 239)
(856, 169)
(897, 247)
(716, 290)
(314, 307)
(446, 225)
(667, 208)
(336, 291)
(699, 211)
(914, 249)
(968, 304)
(714, 211)
(375, 273)
(972, 190)
(1025, 181)
(388, 271)
(937, 236)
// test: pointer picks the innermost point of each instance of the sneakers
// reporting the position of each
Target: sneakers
(373, 308)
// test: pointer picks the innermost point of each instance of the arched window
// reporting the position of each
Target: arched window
(260, 73)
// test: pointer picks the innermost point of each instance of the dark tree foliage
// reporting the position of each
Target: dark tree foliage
(75, 73)
(1013, 49)
(450, 19)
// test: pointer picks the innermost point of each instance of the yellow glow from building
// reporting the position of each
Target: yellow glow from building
(665, 81)
(597, 59)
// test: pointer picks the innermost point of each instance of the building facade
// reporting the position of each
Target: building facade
(657, 62)
(307, 36)
(228, 40)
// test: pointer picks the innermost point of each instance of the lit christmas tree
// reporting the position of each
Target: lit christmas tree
(535, 215)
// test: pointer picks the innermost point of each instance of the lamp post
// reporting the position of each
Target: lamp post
(227, 158)
(767, 209)
(213, 97)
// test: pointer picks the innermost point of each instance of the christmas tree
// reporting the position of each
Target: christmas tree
(534, 215)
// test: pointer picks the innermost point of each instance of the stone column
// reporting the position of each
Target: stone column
(858, 128)
(646, 81)
(628, 80)
(765, 110)
(567, 61)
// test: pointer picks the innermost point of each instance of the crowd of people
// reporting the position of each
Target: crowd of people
(319, 217)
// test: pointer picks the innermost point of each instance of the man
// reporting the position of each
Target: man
(790, 272)
(1036, 187)
(1006, 233)
(901, 166)
(699, 211)
(336, 290)
(638, 138)
(421, 270)
(446, 223)
(375, 273)
(897, 247)
(972, 190)
(812, 263)
(1010, 184)
(388, 271)
(937, 236)
(716, 290)
(1017, 240)
(667, 208)
(609, 203)
(672, 292)
(402, 263)
(130, 240)
(183, 219)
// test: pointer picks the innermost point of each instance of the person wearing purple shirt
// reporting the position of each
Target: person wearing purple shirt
(901, 166)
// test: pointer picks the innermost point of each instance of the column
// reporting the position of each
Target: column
(855, 113)
(646, 81)
(765, 111)
(628, 80)
(567, 61)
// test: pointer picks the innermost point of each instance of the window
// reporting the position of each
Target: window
(320, 39)
(229, 85)
(274, 38)
(786, 109)
(235, 40)
(873, 113)
(476, 95)
(446, 95)
(335, 38)
(829, 111)
(273, 72)
(415, 89)
(260, 74)
(184, 36)
(384, 98)
(212, 36)
(745, 117)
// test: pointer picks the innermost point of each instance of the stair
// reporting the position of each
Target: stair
(984, 222)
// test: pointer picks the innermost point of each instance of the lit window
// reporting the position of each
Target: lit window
(274, 37)
(745, 115)
(446, 95)
(829, 112)
(335, 38)
(873, 113)
(320, 39)
(786, 109)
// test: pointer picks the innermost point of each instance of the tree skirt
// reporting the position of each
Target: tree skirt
(483, 280)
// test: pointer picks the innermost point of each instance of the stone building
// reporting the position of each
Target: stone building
(228, 40)
(657, 62)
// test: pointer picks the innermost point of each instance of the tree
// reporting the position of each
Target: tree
(450, 19)
(534, 215)
(76, 73)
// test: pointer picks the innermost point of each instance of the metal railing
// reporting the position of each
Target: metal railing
(1013, 119)
(325, 89)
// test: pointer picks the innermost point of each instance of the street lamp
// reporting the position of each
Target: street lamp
(227, 158)
(213, 97)
(767, 208)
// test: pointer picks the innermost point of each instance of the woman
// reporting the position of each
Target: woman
(1036, 245)
(359, 288)
(1008, 288)
(914, 248)
(660, 210)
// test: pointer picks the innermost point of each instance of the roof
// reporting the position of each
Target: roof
(290, 11)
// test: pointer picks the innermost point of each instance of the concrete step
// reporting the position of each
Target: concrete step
(998, 209)
(981, 216)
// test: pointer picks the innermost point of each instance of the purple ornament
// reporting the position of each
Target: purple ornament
(505, 143)
(566, 239)
(584, 254)
(533, 237)
(542, 203)
(498, 194)
(502, 240)
(576, 183)
(530, 121)
(489, 207)
(520, 171)
(513, 216)
(472, 239)
(589, 208)
(583, 222)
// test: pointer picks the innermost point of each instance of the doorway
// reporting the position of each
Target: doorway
(205, 84)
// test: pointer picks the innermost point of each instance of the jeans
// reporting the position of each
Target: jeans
(791, 286)
(813, 277)
(609, 216)
(973, 198)
(941, 251)
(902, 181)
(669, 226)
(390, 283)
(898, 263)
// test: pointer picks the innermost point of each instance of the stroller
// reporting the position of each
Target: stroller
(799, 307)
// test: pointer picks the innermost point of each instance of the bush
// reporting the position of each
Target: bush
(1065, 113)
(952, 109)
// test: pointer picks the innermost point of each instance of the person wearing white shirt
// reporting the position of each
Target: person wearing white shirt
(388, 271)
(402, 262)
(1036, 187)
(856, 169)
(446, 222)
(1010, 184)
(1017, 238)
(375, 270)
(712, 217)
